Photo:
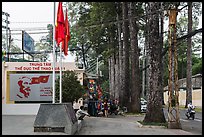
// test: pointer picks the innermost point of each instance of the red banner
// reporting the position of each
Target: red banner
(41, 79)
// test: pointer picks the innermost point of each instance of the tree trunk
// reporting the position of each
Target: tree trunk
(112, 76)
(154, 106)
(121, 85)
(135, 74)
(84, 58)
(189, 58)
(126, 94)
(147, 50)
(143, 73)
(161, 57)
(117, 75)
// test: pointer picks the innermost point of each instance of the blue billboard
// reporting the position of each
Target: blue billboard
(28, 42)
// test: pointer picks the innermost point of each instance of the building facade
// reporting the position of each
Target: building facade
(196, 92)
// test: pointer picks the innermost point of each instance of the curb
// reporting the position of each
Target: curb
(80, 122)
(149, 126)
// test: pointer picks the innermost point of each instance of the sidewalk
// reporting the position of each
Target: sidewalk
(113, 125)
(124, 125)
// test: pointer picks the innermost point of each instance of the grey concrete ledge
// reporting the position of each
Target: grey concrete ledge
(79, 125)
(150, 126)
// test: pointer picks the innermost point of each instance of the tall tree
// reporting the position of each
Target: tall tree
(161, 57)
(120, 47)
(117, 76)
(126, 95)
(189, 58)
(112, 78)
(154, 106)
(135, 73)
(147, 42)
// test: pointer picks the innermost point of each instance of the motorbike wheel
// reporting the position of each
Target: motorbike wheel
(187, 116)
(193, 116)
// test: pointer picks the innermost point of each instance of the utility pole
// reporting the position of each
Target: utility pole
(97, 66)
(9, 45)
(7, 28)
(173, 108)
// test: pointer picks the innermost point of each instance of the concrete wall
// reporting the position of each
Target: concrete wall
(196, 97)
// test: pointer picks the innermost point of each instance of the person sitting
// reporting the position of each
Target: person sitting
(80, 114)
(190, 107)
(113, 108)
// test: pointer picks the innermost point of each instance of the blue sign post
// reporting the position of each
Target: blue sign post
(28, 42)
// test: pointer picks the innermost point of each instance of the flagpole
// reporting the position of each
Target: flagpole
(53, 75)
(61, 72)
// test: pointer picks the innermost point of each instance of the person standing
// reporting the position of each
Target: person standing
(95, 101)
(105, 108)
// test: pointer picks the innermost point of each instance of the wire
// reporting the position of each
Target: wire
(27, 29)
(33, 22)
(21, 40)
(39, 52)
(29, 33)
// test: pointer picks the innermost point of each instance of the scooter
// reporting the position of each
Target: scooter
(113, 110)
(191, 113)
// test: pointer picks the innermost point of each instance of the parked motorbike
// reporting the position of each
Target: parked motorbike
(113, 109)
(191, 113)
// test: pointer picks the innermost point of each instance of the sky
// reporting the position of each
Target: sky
(36, 15)
(24, 15)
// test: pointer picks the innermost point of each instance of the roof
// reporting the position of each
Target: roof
(196, 82)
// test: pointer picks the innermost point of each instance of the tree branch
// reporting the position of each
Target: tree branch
(146, 67)
(182, 7)
(191, 34)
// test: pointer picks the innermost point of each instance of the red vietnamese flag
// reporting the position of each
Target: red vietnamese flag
(44, 79)
(35, 80)
(59, 29)
(67, 35)
(40, 79)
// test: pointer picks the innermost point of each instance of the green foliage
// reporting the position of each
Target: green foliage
(197, 66)
(45, 44)
(182, 64)
(71, 87)
(105, 86)
(13, 47)
(3, 42)
(41, 46)
(93, 30)
(49, 37)
(182, 29)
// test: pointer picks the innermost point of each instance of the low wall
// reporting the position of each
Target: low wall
(196, 97)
